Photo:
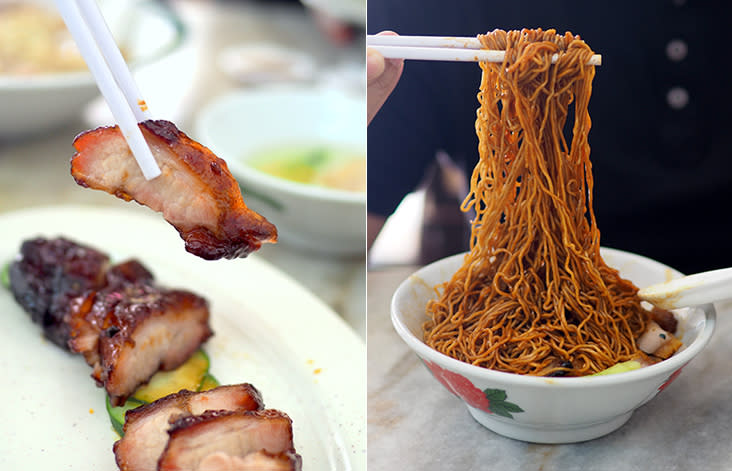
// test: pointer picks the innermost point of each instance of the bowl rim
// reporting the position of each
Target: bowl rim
(209, 115)
(471, 371)
(56, 80)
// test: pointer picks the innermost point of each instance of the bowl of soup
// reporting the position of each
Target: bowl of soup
(299, 154)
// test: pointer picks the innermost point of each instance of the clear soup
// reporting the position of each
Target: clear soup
(328, 166)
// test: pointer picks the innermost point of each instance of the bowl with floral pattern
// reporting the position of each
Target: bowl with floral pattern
(543, 409)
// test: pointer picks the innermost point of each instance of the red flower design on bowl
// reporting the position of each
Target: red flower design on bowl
(492, 401)
(460, 386)
(670, 379)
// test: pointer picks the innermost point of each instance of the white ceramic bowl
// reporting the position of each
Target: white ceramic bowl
(549, 410)
(37, 103)
(241, 124)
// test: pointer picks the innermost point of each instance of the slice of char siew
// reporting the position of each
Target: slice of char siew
(125, 325)
(231, 440)
(146, 427)
(196, 192)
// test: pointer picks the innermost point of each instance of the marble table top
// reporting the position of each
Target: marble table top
(415, 424)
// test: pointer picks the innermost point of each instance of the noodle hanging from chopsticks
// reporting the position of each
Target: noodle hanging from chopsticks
(533, 295)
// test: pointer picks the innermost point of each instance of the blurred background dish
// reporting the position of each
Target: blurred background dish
(299, 155)
(34, 41)
(351, 11)
(266, 63)
(43, 80)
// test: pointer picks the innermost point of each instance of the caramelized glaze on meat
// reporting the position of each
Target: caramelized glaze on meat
(195, 440)
(132, 328)
(195, 192)
(665, 319)
(126, 326)
(146, 427)
(48, 275)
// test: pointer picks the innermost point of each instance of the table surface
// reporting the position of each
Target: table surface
(35, 172)
(415, 424)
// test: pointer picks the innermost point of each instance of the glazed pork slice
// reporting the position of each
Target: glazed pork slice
(48, 274)
(128, 331)
(257, 461)
(195, 192)
(146, 427)
(196, 441)
(126, 326)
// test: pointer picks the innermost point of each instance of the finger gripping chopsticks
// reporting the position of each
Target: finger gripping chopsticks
(115, 82)
(441, 48)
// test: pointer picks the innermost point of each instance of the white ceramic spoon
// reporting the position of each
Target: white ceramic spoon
(692, 290)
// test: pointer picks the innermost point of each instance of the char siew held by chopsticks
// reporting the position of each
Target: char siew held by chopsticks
(105, 61)
(441, 48)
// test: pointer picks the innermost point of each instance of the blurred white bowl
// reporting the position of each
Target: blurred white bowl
(240, 125)
(540, 409)
(352, 11)
(32, 104)
(265, 63)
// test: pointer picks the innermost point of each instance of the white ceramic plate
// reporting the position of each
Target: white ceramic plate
(269, 331)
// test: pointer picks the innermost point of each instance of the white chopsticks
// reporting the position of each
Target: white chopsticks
(441, 48)
(105, 61)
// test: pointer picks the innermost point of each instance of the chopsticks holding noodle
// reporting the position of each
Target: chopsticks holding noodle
(441, 48)
(105, 61)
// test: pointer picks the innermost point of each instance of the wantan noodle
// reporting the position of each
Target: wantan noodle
(533, 295)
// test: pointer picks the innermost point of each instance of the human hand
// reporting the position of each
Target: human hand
(382, 76)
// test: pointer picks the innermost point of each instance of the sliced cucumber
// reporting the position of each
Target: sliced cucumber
(192, 375)
(187, 376)
(208, 382)
(117, 414)
(623, 367)
(5, 275)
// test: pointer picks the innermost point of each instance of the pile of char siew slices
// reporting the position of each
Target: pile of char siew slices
(128, 328)
(143, 340)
